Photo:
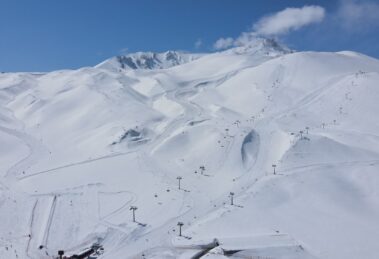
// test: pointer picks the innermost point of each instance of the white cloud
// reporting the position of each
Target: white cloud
(357, 15)
(198, 43)
(289, 19)
(223, 43)
(276, 24)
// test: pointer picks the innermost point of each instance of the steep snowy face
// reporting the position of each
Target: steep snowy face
(148, 60)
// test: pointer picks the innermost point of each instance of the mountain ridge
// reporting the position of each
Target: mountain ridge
(171, 58)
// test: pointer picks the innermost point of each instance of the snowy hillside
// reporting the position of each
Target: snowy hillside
(80, 147)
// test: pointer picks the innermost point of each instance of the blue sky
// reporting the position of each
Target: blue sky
(45, 35)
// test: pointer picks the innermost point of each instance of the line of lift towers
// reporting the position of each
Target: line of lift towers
(179, 224)
(180, 178)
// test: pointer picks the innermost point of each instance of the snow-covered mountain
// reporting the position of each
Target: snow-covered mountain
(79, 147)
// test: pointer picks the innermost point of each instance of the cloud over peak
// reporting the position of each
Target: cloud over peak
(223, 43)
(289, 19)
(276, 24)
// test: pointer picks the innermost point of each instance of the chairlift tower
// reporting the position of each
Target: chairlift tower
(179, 178)
(274, 166)
(180, 224)
(231, 198)
(133, 209)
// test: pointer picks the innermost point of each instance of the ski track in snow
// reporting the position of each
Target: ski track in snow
(74, 164)
(51, 210)
(31, 229)
(36, 149)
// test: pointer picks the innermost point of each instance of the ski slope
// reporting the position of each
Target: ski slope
(79, 147)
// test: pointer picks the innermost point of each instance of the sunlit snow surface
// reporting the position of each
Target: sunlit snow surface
(79, 147)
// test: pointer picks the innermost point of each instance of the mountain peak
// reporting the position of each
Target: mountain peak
(148, 60)
(264, 45)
